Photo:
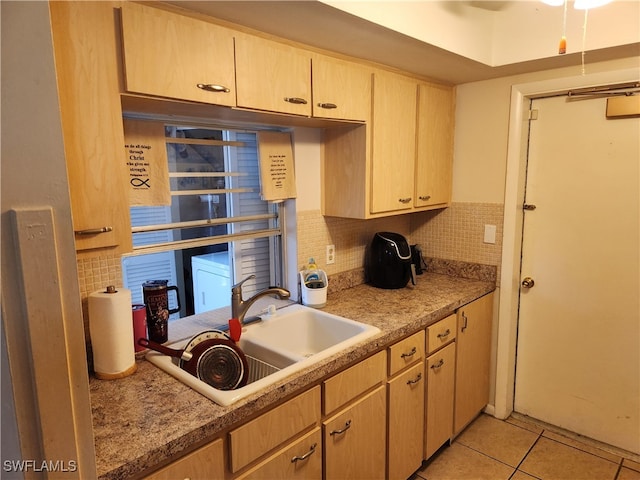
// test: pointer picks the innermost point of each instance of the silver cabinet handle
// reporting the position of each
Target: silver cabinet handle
(404, 200)
(93, 231)
(415, 380)
(328, 106)
(410, 354)
(295, 100)
(347, 426)
(424, 198)
(440, 363)
(212, 87)
(306, 455)
(444, 334)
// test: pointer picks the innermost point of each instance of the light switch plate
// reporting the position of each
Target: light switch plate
(489, 234)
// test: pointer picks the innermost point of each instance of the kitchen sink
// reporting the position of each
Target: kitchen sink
(293, 338)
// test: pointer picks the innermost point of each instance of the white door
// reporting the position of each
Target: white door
(578, 356)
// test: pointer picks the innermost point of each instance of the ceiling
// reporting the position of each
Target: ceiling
(316, 24)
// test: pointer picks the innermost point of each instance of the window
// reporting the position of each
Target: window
(217, 229)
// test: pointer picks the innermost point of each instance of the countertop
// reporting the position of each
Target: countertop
(142, 420)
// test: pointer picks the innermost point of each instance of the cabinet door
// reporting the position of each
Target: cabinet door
(354, 439)
(435, 146)
(406, 422)
(203, 464)
(473, 360)
(89, 96)
(175, 56)
(272, 76)
(341, 89)
(439, 400)
(393, 142)
(300, 460)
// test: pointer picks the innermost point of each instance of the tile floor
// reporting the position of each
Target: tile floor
(521, 449)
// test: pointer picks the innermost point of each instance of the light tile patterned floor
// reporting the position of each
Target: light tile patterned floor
(519, 449)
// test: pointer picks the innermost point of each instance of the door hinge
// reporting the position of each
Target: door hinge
(533, 114)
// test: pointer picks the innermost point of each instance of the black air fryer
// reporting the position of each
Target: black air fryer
(389, 261)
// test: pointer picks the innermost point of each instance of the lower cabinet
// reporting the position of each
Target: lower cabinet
(379, 418)
(355, 439)
(439, 400)
(406, 420)
(203, 464)
(473, 360)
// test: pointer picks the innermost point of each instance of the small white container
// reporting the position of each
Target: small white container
(314, 297)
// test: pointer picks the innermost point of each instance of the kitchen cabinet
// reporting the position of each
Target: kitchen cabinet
(250, 441)
(272, 76)
(176, 56)
(355, 439)
(440, 371)
(341, 89)
(405, 398)
(393, 149)
(302, 459)
(406, 422)
(203, 464)
(473, 360)
(400, 162)
(434, 160)
(91, 115)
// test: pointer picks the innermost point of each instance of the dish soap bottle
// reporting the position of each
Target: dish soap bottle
(311, 274)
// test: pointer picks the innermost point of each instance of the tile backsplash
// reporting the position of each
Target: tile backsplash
(455, 233)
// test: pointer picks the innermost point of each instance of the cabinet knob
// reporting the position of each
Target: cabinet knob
(212, 87)
(295, 100)
(306, 455)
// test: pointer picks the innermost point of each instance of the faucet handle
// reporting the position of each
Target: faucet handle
(237, 288)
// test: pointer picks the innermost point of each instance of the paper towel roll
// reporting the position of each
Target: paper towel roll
(111, 333)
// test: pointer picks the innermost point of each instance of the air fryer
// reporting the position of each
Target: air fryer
(389, 261)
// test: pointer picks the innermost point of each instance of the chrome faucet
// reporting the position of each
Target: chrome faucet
(239, 306)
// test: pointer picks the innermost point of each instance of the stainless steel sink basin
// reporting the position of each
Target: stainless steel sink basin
(295, 338)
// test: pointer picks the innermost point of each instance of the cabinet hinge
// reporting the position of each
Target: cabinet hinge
(533, 114)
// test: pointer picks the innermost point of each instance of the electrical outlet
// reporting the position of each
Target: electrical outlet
(331, 254)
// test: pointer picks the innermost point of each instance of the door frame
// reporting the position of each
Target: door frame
(517, 148)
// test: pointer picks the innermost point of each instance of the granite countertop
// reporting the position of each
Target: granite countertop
(142, 420)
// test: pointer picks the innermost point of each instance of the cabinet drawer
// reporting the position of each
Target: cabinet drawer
(203, 464)
(307, 452)
(347, 385)
(441, 333)
(260, 435)
(406, 352)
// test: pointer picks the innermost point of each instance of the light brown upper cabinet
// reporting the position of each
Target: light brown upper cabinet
(175, 56)
(272, 76)
(393, 149)
(89, 96)
(341, 90)
(435, 146)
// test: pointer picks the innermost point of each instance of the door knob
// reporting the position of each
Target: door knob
(528, 282)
